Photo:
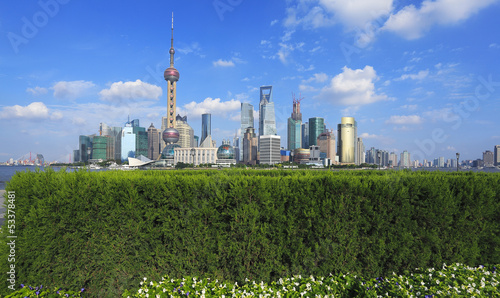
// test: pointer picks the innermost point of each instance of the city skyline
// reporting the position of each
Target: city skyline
(430, 89)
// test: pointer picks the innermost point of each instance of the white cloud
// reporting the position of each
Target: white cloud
(418, 76)
(366, 135)
(451, 148)
(72, 89)
(37, 90)
(357, 13)
(212, 106)
(353, 87)
(120, 91)
(403, 120)
(33, 111)
(223, 63)
(410, 107)
(494, 46)
(412, 22)
(274, 22)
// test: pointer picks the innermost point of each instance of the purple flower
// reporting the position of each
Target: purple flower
(83, 289)
(37, 293)
(57, 292)
(22, 286)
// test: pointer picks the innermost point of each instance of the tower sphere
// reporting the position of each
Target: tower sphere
(171, 74)
(170, 135)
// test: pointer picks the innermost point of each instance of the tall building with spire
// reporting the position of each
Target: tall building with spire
(171, 75)
(267, 122)
(294, 136)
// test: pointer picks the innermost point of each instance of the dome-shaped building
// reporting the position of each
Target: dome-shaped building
(168, 151)
(226, 155)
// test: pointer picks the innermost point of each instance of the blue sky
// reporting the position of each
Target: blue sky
(421, 76)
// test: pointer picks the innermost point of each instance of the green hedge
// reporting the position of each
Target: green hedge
(105, 231)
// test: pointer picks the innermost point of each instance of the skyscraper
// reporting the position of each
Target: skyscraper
(186, 132)
(496, 151)
(267, 122)
(206, 126)
(316, 127)
(404, 161)
(347, 134)
(360, 152)
(250, 143)
(246, 122)
(171, 75)
(294, 136)
(153, 142)
(326, 143)
(128, 142)
(305, 135)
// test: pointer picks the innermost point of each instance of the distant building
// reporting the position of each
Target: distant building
(85, 148)
(206, 126)
(267, 122)
(270, 149)
(76, 155)
(347, 137)
(314, 154)
(99, 145)
(294, 131)
(226, 155)
(301, 156)
(393, 159)
(496, 157)
(305, 135)
(488, 158)
(316, 127)
(326, 143)
(247, 121)
(250, 145)
(186, 132)
(128, 142)
(200, 156)
(360, 152)
(405, 161)
(153, 142)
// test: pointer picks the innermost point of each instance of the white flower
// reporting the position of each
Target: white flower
(145, 278)
(151, 283)
(140, 291)
(437, 281)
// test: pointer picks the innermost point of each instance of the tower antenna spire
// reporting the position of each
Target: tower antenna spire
(172, 51)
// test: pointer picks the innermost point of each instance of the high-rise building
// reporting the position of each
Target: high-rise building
(186, 132)
(99, 144)
(360, 152)
(488, 158)
(76, 156)
(347, 137)
(141, 141)
(393, 159)
(170, 134)
(316, 127)
(128, 142)
(326, 143)
(267, 122)
(153, 142)
(85, 148)
(270, 146)
(250, 144)
(206, 126)
(113, 146)
(294, 136)
(305, 135)
(404, 161)
(247, 121)
(496, 151)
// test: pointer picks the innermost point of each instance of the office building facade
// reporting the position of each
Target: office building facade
(250, 146)
(153, 142)
(247, 121)
(305, 135)
(316, 127)
(347, 137)
(267, 121)
(270, 149)
(496, 157)
(206, 126)
(326, 143)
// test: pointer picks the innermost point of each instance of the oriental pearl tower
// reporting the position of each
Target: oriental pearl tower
(171, 135)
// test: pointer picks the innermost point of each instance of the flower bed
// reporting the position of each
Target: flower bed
(456, 279)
